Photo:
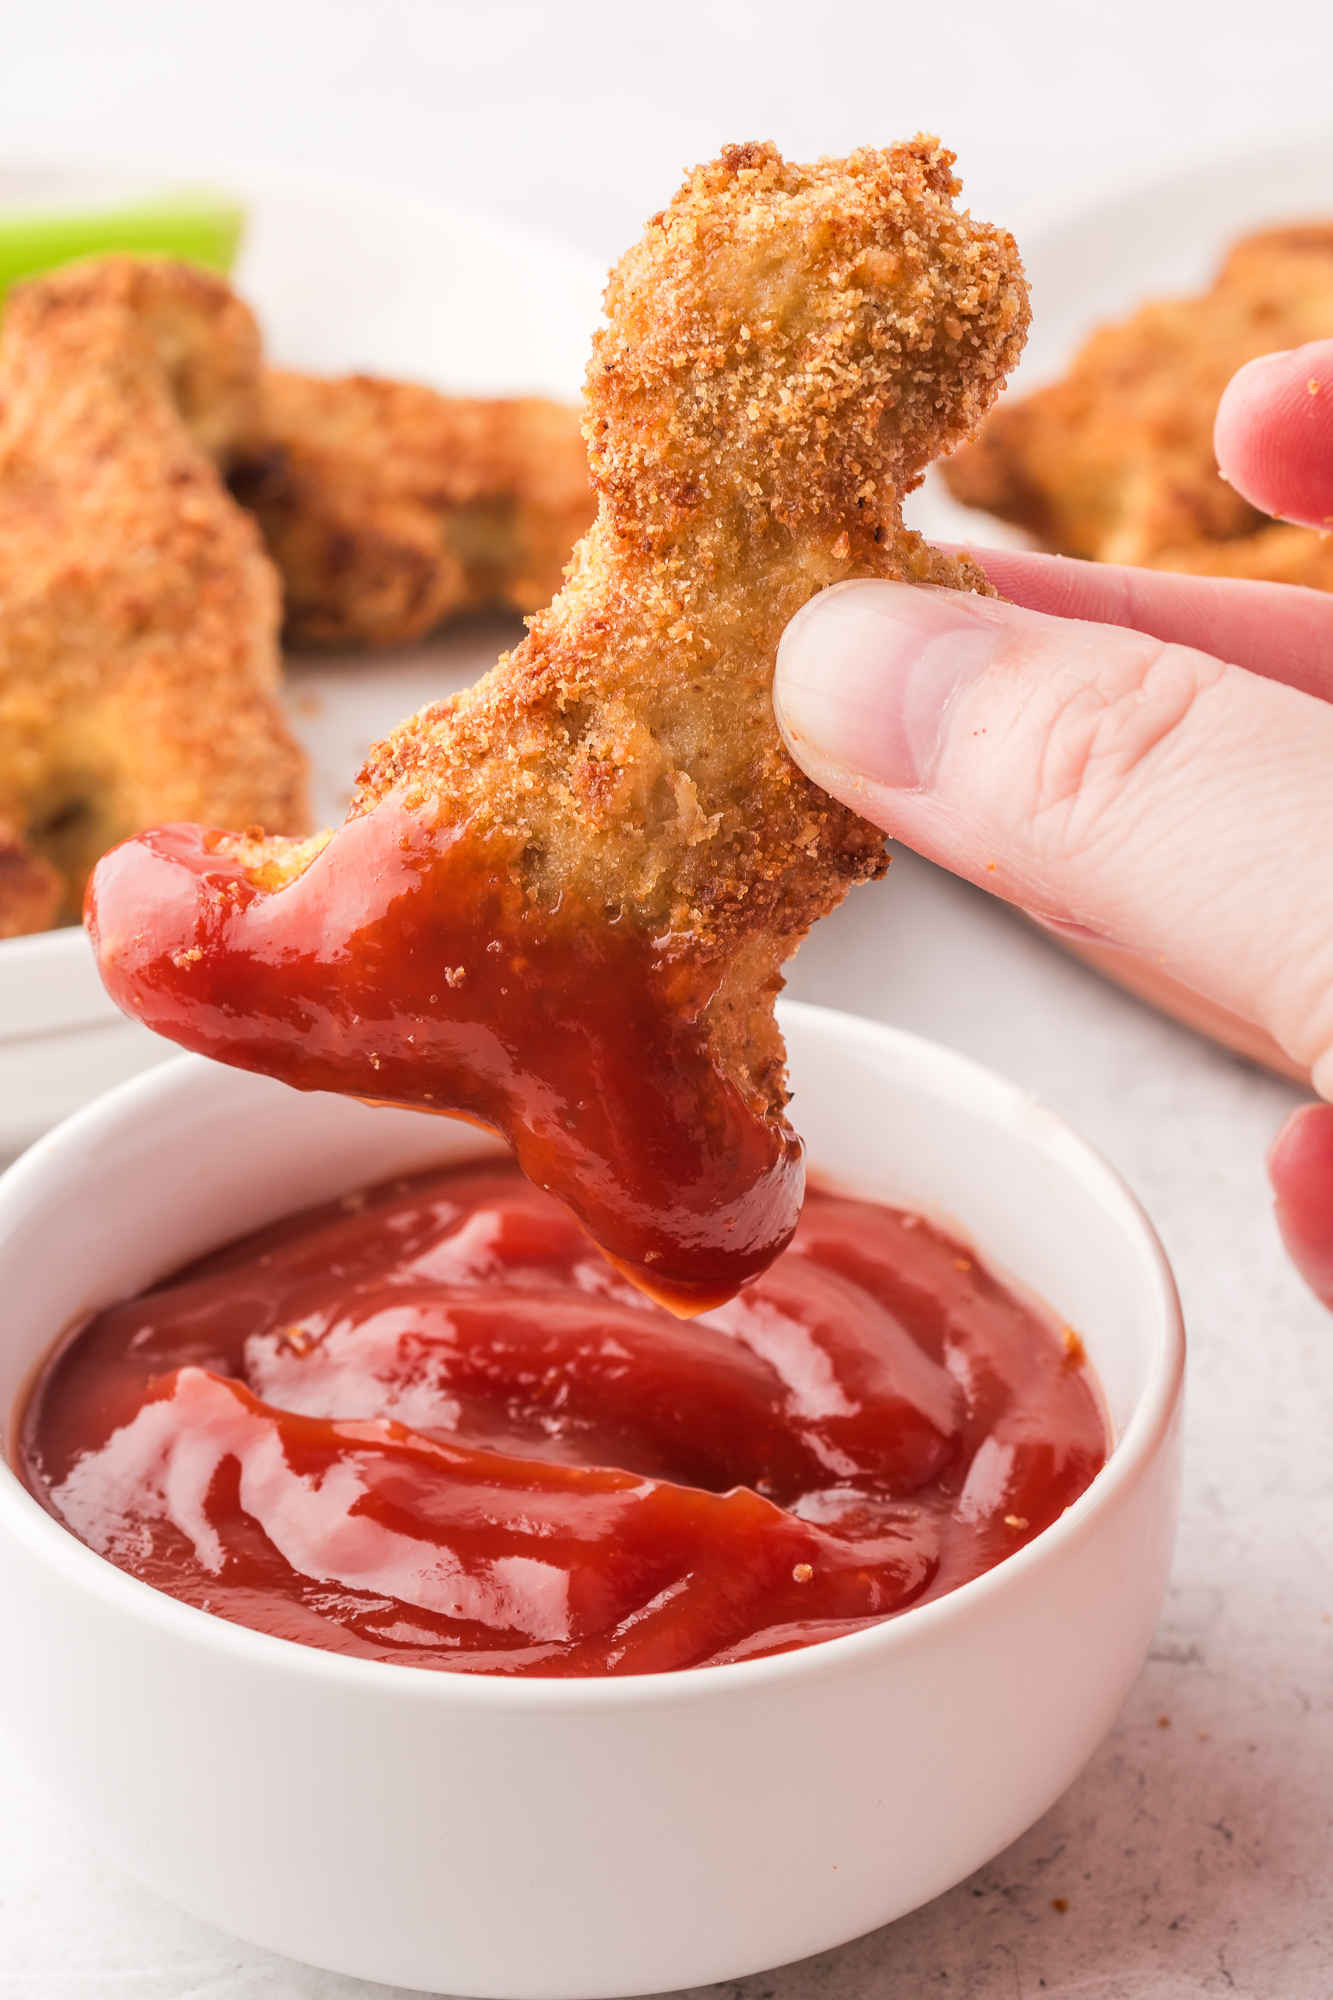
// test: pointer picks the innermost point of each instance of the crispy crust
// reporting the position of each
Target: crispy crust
(389, 508)
(1115, 462)
(787, 348)
(138, 613)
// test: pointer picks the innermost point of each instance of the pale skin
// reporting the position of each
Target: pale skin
(1136, 757)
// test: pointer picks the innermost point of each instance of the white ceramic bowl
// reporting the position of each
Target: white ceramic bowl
(582, 1838)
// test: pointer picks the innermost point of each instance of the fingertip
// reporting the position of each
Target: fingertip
(1300, 1168)
(1273, 434)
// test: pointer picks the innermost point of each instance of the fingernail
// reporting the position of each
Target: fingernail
(865, 675)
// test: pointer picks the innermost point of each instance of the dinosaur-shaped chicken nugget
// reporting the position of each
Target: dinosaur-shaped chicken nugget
(561, 901)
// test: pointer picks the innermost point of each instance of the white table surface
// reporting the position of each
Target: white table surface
(1196, 1851)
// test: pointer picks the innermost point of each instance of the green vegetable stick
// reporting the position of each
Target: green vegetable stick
(202, 228)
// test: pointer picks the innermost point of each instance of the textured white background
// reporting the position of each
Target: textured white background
(1195, 1853)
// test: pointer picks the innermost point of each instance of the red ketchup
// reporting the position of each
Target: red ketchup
(429, 1423)
(407, 966)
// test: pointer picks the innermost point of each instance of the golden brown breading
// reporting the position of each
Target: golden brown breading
(138, 613)
(1274, 553)
(787, 348)
(389, 508)
(1116, 461)
(30, 889)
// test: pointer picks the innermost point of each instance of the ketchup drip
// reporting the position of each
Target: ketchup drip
(406, 966)
(429, 1424)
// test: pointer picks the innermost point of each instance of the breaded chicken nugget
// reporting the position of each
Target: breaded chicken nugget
(1274, 553)
(30, 889)
(389, 509)
(1116, 461)
(561, 901)
(138, 613)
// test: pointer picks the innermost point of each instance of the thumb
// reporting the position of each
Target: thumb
(1146, 792)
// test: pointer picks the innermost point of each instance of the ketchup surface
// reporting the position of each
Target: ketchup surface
(429, 1423)
(406, 966)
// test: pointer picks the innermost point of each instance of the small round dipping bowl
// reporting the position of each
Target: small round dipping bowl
(582, 1838)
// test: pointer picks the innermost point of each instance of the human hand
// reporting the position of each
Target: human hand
(1132, 756)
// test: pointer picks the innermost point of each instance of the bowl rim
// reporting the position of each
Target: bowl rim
(947, 1074)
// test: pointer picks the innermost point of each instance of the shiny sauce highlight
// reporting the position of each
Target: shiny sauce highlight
(428, 1423)
(406, 966)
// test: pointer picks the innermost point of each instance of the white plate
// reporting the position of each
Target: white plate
(344, 275)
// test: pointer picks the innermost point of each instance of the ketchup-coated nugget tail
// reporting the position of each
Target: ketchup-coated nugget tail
(561, 901)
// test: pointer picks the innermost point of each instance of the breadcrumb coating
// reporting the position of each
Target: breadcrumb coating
(787, 348)
(1115, 462)
(138, 613)
(389, 508)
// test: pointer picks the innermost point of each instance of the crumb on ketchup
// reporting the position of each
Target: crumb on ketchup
(429, 1423)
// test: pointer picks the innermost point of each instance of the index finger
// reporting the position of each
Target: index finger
(1280, 630)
